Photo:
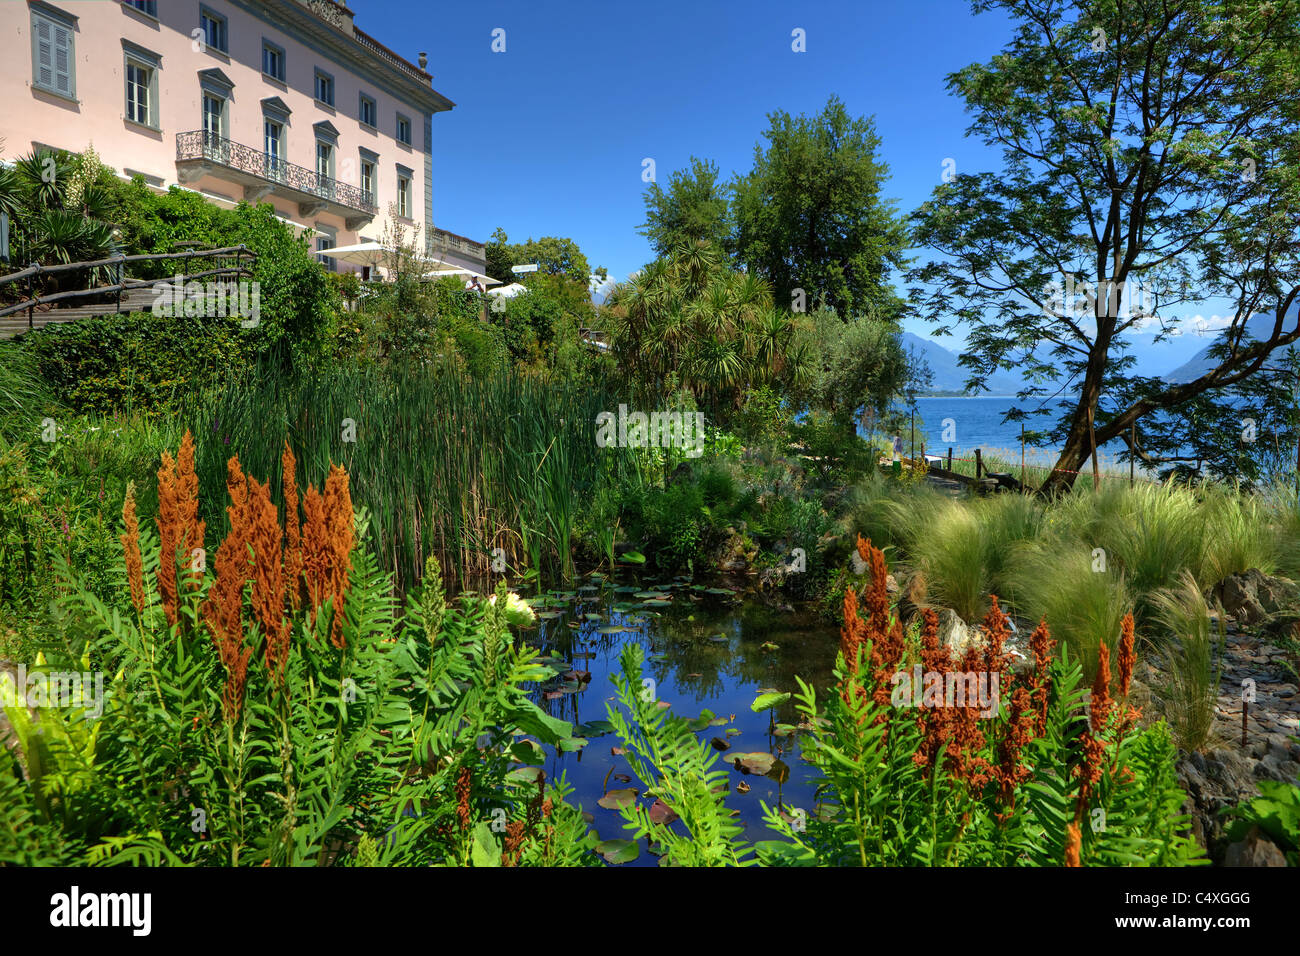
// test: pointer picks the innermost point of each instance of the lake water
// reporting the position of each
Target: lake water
(977, 423)
(704, 650)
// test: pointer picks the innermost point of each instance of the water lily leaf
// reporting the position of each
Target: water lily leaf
(525, 776)
(594, 728)
(570, 744)
(718, 591)
(742, 787)
(547, 615)
(784, 730)
(622, 778)
(618, 799)
(616, 751)
(733, 731)
(660, 812)
(780, 771)
(618, 851)
(662, 704)
(752, 762)
(769, 646)
(588, 817)
(633, 557)
(612, 629)
(527, 751)
(765, 701)
(591, 617)
(719, 744)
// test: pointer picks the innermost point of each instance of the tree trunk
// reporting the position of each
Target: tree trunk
(1078, 442)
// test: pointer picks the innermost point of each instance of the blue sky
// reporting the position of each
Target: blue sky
(548, 137)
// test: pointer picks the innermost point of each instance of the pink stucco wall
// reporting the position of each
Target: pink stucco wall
(30, 115)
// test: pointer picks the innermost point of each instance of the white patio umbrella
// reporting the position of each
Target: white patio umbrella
(372, 254)
(456, 270)
(509, 291)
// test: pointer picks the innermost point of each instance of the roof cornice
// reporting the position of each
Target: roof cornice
(300, 22)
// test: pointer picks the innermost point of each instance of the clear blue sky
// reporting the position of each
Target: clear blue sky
(548, 137)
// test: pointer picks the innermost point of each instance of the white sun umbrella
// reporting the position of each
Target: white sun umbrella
(509, 291)
(456, 270)
(372, 254)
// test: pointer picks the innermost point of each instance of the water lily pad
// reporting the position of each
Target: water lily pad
(752, 762)
(732, 731)
(780, 771)
(618, 851)
(769, 646)
(719, 744)
(547, 615)
(594, 728)
(632, 557)
(591, 617)
(742, 787)
(618, 799)
(718, 591)
(622, 778)
(525, 776)
(660, 812)
(612, 629)
(784, 730)
(768, 700)
(570, 744)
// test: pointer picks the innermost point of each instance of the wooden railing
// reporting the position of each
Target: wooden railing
(240, 254)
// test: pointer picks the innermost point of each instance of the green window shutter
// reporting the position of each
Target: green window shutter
(44, 52)
(63, 60)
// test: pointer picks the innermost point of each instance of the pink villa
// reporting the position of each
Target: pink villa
(285, 102)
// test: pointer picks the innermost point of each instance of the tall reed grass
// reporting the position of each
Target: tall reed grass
(447, 465)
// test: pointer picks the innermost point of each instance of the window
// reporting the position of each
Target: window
(214, 118)
(213, 26)
(367, 113)
(403, 129)
(53, 60)
(325, 88)
(138, 79)
(325, 169)
(368, 179)
(273, 135)
(325, 241)
(273, 60)
(145, 6)
(404, 196)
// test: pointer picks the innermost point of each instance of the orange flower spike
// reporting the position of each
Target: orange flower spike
(338, 514)
(463, 785)
(292, 529)
(1127, 656)
(268, 583)
(187, 505)
(1073, 843)
(1100, 704)
(169, 536)
(131, 549)
(315, 550)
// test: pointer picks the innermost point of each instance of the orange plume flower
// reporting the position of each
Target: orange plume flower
(1127, 656)
(131, 549)
(292, 529)
(224, 606)
(463, 782)
(179, 529)
(268, 582)
(1073, 843)
(338, 516)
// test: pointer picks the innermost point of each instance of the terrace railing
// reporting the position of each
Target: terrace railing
(209, 147)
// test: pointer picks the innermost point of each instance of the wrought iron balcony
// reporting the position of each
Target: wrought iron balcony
(200, 153)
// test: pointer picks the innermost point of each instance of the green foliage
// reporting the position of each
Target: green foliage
(1276, 811)
(1191, 662)
(811, 215)
(555, 257)
(695, 206)
(141, 360)
(859, 367)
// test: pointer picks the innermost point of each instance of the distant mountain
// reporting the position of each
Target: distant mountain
(949, 375)
(1257, 327)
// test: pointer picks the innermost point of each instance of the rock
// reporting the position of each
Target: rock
(955, 634)
(1219, 778)
(1255, 849)
(1252, 596)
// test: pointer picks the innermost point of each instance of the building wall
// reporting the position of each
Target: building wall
(98, 115)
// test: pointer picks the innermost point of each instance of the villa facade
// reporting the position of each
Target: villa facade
(285, 102)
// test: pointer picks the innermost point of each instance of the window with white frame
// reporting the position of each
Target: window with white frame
(403, 193)
(53, 51)
(214, 118)
(273, 143)
(368, 178)
(403, 129)
(324, 88)
(368, 111)
(214, 27)
(273, 60)
(145, 6)
(138, 81)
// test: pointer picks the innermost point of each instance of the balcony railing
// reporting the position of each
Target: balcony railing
(208, 147)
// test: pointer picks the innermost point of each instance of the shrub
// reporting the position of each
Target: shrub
(1189, 687)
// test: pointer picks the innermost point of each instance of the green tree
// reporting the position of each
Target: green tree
(858, 369)
(692, 321)
(1146, 145)
(810, 214)
(694, 206)
(553, 255)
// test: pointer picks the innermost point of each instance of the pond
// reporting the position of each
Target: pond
(707, 648)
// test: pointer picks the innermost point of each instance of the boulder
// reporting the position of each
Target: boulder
(955, 634)
(1255, 849)
(1219, 778)
(1252, 597)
